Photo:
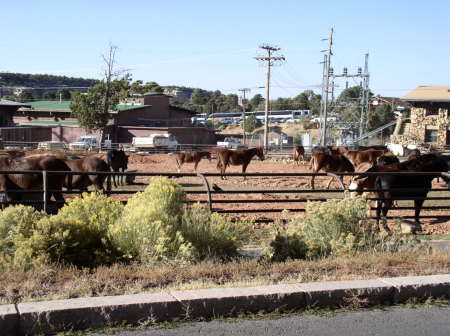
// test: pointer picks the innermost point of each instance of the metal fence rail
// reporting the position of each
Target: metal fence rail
(217, 204)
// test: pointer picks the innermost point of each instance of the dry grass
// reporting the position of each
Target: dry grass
(58, 282)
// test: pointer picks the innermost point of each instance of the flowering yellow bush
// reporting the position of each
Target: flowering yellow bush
(331, 227)
(157, 226)
(17, 224)
(213, 235)
(149, 228)
(77, 235)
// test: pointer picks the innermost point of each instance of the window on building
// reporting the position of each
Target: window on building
(431, 135)
(432, 110)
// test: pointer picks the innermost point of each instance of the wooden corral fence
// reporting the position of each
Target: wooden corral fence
(210, 191)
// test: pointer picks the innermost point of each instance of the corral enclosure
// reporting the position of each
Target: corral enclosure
(246, 205)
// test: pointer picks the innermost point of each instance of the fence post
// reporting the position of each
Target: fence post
(44, 189)
(208, 191)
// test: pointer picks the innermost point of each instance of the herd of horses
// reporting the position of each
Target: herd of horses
(19, 187)
(330, 159)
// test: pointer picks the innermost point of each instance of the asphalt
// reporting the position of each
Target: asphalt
(396, 321)
(48, 317)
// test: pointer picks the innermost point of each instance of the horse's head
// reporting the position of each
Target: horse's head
(260, 153)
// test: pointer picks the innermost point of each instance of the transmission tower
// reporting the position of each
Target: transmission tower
(270, 59)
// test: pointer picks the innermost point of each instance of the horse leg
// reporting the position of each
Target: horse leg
(244, 168)
(387, 204)
(178, 165)
(417, 208)
(196, 164)
(329, 182)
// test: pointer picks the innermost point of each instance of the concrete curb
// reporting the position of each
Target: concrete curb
(45, 317)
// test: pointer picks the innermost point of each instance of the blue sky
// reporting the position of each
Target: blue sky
(212, 45)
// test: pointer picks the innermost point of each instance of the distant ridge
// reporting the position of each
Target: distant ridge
(12, 79)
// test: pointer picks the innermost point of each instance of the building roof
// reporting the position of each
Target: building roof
(154, 93)
(126, 107)
(429, 93)
(4, 102)
(64, 106)
(49, 123)
(51, 105)
(53, 123)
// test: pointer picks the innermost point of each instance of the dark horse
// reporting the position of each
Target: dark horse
(391, 187)
(118, 161)
(13, 182)
(240, 157)
(189, 157)
(89, 164)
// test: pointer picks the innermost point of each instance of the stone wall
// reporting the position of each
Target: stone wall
(420, 122)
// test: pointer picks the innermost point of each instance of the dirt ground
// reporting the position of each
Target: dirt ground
(165, 163)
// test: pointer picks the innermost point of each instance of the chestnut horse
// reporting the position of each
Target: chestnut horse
(240, 157)
(330, 163)
(89, 164)
(298, 152)
(189, 157)
(14, 181)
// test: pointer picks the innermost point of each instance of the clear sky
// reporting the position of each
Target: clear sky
(212, 44)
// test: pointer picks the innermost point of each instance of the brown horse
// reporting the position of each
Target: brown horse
(330, 163)
(89, 164)
(226, 157)
(299, 152)
(13, 182)
(189, 157)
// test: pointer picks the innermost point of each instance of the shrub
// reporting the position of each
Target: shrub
(94, 210)
(331, 227)
(17, 224)
(77, 235)
(213, 235)
(149, 228)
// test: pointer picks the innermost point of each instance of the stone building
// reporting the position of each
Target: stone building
(430, 118)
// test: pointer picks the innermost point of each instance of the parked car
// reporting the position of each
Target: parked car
(85, 142)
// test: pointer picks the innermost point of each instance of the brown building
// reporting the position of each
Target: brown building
(430, 117)
(152, 113)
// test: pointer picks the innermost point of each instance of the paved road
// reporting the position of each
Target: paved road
(397, 321)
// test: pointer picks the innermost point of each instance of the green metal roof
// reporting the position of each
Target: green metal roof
(53, 105)
(153, 93)
(50, 105)
(54, 123)
(51, 123)
(125, 107)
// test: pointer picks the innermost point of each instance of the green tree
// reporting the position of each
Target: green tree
(251, 123)
(49, 95)
(92, 109)
(198, 97)
(26, 96)
(379, 116)
(64, 94)
(255, 102)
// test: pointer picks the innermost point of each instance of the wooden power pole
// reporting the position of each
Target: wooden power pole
(270, 62)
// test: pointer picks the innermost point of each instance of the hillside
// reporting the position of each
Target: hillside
(11, 79)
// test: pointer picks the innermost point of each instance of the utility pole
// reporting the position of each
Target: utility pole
(270, 62)
(244, 104)
(365, 98)
(326, 88)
